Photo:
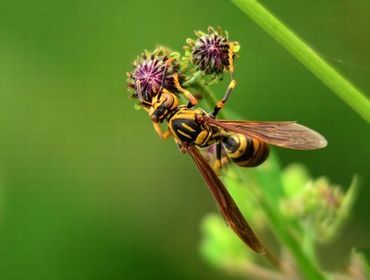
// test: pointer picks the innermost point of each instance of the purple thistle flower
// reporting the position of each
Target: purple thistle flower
(210, 52)
(147, 77)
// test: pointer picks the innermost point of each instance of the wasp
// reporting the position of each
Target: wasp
(244, 142)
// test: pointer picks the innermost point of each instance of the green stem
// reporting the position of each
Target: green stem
(308, 243)
(307, 267)
(194, 79)
(209, 97)
(307, 56)
(309, 270)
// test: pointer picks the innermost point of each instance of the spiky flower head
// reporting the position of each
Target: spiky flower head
(150, 70)
(211, 52)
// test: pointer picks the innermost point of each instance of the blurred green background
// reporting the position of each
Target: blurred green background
(88, 190)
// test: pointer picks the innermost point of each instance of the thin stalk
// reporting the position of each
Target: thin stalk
(194, 79)
(309, 270)
(209, 97)
(307, 56)
(304, 262)
(308, 244)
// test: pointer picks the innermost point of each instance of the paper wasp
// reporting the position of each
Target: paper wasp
(245, 142)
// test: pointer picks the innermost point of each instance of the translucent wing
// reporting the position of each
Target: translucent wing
(284, 134)
(225, 202)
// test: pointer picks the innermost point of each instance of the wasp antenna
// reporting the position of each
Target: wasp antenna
(138, 91)
(168, 62)
(159, 95)
(146, 103)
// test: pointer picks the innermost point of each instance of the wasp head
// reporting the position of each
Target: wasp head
(162, 105)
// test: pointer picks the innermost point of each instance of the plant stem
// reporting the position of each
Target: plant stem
(209, 97)
(194, 78)
(307, 56)
(307, 267)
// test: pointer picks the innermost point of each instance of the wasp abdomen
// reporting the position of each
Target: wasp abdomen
(245, 151)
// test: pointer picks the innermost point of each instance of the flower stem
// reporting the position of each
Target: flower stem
(307, 56)
(308, 268)
(209, 97)
(194, 78)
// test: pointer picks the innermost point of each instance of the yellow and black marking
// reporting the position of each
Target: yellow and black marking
(184, 126)
(162, 105)
(233, 48)
(245, 151)
(231, 54)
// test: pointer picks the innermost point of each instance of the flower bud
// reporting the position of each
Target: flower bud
(151, 69)
(212, 52)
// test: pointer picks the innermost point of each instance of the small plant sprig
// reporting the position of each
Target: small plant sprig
(302, 213)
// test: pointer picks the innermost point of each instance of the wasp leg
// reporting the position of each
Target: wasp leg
(167, 63)
(231, 59)
(217, 166)
(192, 100)
(220, 104)
(140, 94)
(163, 135)
(181, 145)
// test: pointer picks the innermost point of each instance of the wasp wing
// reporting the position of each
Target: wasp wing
(226, 204)
(284, 134)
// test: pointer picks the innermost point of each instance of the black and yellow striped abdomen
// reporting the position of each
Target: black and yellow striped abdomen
(245, 151)
(184, 127)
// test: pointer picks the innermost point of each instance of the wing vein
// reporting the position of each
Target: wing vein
(226, 204)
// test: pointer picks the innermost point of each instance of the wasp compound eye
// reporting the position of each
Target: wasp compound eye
(152, 70)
